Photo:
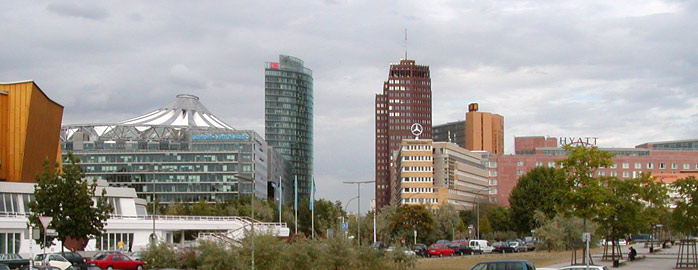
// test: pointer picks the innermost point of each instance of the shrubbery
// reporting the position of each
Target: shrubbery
(273, 253)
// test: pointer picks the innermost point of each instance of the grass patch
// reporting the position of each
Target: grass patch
(539, 259)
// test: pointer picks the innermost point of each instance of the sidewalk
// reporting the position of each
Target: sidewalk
(663, 260)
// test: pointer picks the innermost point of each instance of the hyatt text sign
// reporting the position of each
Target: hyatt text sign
(587, 141)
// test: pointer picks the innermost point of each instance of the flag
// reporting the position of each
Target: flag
(295, 188)
(281, 194)
(312, 195)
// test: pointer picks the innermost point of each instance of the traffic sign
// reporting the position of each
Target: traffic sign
(45, 221)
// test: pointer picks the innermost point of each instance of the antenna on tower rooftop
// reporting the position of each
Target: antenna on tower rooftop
(405, 43)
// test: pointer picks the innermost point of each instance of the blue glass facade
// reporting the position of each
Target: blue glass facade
(288, 118)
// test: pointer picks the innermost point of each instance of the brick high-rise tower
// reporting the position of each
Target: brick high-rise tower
(406, 99)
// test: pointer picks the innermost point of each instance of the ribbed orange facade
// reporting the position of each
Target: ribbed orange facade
(484, 132)
(30, 125)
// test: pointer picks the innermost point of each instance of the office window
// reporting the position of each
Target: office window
(638, 165)
(538, 163)
(674, 165)
(686, 166)
(625, 165)
(520, 163)
(650, 165)
(9, 242)
(493, 173)
(614, 165)
(626, 174)
(602, 173)
(519, 172)
(551, 164)
(614, 173)
(493, 182)
(662, 165)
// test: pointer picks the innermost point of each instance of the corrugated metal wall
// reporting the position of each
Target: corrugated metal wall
(31, 133)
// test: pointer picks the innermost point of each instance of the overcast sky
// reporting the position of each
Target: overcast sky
(623, 71)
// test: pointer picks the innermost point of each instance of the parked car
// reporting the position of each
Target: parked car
(4, 267)
(502, 247)
(518, 246)
(584, 267)
(106, 252)
(75, 259)
(378, 245)
(116, 261)
(420, 249)
(461, 247)
(439, 250)
(40, 267)
(401, 249)
(508, 265)
(137, 255)
(443, 241)
(641, 238)
(53, 259)
(619, 242)
(13, 260)
(480, 246)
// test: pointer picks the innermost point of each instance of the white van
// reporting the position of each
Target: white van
(480, 246)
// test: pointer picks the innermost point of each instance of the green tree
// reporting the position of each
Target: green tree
(500, 218)
(655, 195)
(537, 190)
(408, 218)
(445, 223)
(624, 208)
(685, 215)
(68, 199)
(160, 255)
(561, 232)
(583, 195)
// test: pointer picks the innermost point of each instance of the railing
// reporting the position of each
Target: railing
(170, 217)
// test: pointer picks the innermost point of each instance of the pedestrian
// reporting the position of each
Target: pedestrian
(632, 254)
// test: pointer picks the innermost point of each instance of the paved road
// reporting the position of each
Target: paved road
(666, 259)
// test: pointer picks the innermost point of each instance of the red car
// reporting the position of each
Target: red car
(439, 250)
(116, 261)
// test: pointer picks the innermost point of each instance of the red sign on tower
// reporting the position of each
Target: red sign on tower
(273, 65)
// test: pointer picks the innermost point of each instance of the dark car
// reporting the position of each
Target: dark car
(4, 267)
(40, 267)
(420, 250)
(461, 247)
(502, 247)
(508, 265)
(378, 245)
(13, 260)
(518, 245)
(76, 259)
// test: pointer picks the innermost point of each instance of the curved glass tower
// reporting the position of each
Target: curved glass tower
(288, 116)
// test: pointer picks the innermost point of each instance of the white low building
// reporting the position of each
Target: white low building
(129, 224)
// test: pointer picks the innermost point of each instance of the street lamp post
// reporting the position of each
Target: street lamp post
(347, 206)
(477, 195)
(358, 215)
(252, 211)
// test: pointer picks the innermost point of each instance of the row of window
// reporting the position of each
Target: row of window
(418, 179)
(624, 165)
(420, 200)
(416, 148)
(422, 82)
(417, 169)
(418, 190)
(416, 158)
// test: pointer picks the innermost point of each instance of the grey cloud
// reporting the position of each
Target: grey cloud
(622, 71)
(77, 10)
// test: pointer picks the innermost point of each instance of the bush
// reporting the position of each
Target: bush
(216, 255)
(160, 255)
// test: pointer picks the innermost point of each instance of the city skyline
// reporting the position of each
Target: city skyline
(623, 72)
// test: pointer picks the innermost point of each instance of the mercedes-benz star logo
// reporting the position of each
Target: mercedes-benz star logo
(416, 129)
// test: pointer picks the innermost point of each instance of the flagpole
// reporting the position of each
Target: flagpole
(312, 209)
(295, 202)
(281, 197)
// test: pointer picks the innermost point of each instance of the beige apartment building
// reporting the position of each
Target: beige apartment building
(436, 173)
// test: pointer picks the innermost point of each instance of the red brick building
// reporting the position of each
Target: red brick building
(504, 170)
(406, 99)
